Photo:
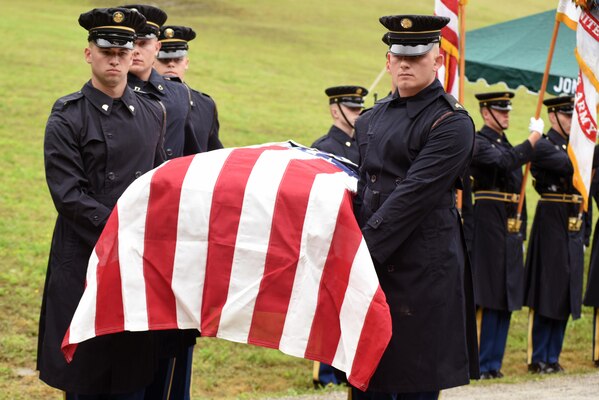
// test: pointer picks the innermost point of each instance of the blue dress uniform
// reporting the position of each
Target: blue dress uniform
(180, 140)
(203, 116)
(555, 257)
(336, 141)
(339, 143)
(497, 240)
(94, 147)
(591, 296)
(414, 151)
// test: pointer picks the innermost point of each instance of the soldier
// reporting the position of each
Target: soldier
(345, 104)
(173, 62)
(555, 257)
(98, 140)
(180, 139)
(416, 145)
(498, 236)
(170, 382)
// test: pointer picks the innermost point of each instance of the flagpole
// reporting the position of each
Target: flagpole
(462, 72)
(538, 114)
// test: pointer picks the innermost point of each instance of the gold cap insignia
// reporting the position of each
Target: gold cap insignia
(359, 91)
(169, 33)
(406, 23)
(118, 17)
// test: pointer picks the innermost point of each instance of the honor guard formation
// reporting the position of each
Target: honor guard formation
(451, 279)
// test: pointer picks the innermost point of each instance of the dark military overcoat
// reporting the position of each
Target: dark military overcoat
(555, 256)
(180, 139)
(497, 255)
(339, 143)
(94, 148)
(413, 152)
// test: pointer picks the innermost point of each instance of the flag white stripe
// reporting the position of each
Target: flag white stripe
(319, 226)
(442, 10)
(361, 288)
(132, 223)
(192, 236)
(83, 324)
(251, 246)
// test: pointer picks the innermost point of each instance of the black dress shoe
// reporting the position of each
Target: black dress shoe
(496, 374)
(485, 375)
(537, 368)
(553, 368)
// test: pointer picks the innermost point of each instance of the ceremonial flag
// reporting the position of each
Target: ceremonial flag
(583, 131)
(448, 73)
(255, 245)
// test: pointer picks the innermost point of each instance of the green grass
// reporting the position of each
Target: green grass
(266, 63)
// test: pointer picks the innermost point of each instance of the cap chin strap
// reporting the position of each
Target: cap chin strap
(560, 124)
(344, 117)
(495, 119)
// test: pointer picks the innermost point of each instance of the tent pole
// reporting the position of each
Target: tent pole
(538, 114)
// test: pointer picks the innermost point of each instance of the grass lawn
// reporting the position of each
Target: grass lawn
(266, 63)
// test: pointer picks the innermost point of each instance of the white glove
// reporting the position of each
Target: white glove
(536, 125)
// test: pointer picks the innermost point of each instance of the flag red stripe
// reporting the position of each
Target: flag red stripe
(372, 342)
(108, 277)
(451, 5)
(225, 213)
(283, 252)
(326, 329)
(160, 241)
(450, 35)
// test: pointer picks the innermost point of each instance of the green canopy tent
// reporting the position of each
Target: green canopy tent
(515, 53)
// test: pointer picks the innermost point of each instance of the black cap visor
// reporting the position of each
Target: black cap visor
(108, 38)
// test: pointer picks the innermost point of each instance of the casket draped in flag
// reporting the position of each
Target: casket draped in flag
(254, 245)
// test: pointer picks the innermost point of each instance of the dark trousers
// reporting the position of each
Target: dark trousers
(139, 395)
(359, 395)
(172, 380)
(493, 337)
(547, 339)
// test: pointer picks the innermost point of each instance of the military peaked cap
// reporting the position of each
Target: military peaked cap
(174, 41)
(155, 18)
(563, 104)
(412, 35)
(496, 100)
(350, 96)
(112, 27)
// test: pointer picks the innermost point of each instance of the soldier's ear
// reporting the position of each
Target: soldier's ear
(88, 55)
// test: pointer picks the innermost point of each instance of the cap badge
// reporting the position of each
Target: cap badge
(406, 23)
(359, 91)
(118, 17)
(169, 33)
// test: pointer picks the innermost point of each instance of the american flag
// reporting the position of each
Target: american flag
(448, 73)
(254, 245)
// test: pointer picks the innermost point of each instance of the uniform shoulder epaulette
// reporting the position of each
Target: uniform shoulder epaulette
(61, 103)
(453, 103)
